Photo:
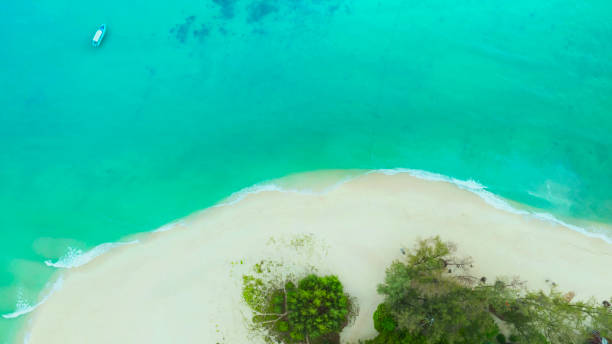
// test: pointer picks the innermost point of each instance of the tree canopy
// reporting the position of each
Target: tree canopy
(314, 310)
(425, 301)
(431, 298)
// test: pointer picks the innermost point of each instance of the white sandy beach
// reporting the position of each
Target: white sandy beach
(183, 285)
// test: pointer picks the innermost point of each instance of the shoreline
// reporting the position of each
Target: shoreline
(376, 198)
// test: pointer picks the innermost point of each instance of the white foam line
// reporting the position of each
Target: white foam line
(468, 185)
(170, 226)
(251, 190)
(497, 202)
(23, 307)
(76, 257)
(269, 186)
(72, 259)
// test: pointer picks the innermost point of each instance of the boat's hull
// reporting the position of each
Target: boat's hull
(98, 36)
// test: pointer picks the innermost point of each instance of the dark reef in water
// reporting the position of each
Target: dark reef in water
(333, 8)
(202, 32)
(256, 11)
(227, 7)
(259, 10)
(181, 31)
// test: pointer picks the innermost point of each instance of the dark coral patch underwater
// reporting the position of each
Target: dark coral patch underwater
(227, 8)
(181, 31)
(259, 10)
(201, 33)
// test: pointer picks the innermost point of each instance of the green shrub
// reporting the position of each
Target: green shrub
(513, 338)
(383, 320)
(501, 339)
(314, 311)
(396, 337)
(282, 326)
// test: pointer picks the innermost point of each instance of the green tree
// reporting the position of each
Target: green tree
(383, 319)
(432, 296)
(552, 317)
(426, 300)
(386, 325)
(313, 311)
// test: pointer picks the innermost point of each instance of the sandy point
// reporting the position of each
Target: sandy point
(183, 285)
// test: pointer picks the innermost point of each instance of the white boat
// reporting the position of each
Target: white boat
(97, 39)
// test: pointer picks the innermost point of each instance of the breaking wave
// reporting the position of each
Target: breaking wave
(77, 257)
(25, 307)
(490, 198)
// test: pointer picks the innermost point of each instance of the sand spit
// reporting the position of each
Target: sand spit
(183, 285)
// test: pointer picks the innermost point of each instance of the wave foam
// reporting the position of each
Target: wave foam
(76, 257)
(490, 198)
(251, 190)
(269, 186)
(170, 226)
(25, 307)
(72, 259)
(467, 185)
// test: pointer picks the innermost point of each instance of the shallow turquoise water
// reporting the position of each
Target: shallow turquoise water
(186, 102)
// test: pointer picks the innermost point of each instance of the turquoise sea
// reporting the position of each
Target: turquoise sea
(186, 102)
